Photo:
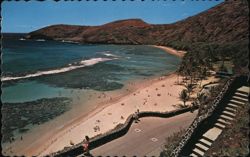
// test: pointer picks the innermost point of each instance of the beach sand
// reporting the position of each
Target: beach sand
(157, 94)
(172, 51)
(154, 95)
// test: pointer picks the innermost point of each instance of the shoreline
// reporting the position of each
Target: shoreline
(104, 114)
(61, 137)
(171, 51)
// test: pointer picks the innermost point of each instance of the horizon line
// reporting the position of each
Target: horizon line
(123, 19)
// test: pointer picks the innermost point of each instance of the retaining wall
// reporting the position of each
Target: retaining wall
(186, 137)
(116, 133)
(120, 131)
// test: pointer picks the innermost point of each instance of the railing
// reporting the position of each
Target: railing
(200, 118)
(116, 133)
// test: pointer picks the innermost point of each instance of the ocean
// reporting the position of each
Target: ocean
(45, 79)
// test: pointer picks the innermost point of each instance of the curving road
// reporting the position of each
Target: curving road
(145, 138)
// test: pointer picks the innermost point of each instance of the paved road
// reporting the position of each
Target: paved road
(146, 137)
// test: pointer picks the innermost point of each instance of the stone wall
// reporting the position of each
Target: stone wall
(116, 133)
(186, 137)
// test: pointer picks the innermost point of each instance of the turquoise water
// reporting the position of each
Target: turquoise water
(42, 80)
(45, 69)
(32, 90)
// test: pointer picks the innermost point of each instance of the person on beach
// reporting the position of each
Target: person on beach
(136, 117)
(86, 145)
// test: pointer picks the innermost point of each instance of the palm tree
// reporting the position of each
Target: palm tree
(189, 88)
(184, 96)
(203, 74)
(178, 73)
(201, 97)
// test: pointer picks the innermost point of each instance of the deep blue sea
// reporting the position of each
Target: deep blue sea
(34, 69)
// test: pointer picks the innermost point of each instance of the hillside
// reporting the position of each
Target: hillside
(223, 23)
(118, 32)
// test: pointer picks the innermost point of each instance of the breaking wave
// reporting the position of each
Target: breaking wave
(76, 65)
(109, 55)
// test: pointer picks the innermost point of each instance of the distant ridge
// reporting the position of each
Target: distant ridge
(223, 23)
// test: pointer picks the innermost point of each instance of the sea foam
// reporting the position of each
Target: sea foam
(74, 66)
(109, 55)
(22, 39)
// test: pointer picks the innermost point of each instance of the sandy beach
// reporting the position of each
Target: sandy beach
(158, 94)
(172, 51)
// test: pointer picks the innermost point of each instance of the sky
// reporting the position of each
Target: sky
(24, 17)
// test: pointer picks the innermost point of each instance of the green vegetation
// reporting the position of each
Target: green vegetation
(201, 98)
(184, 96)
(235, 138)
(171, 143)
(195, 67)
(189, 88)
(206, 100)
(201, 56)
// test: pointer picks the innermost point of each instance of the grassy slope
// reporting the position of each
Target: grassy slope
(234, 141)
